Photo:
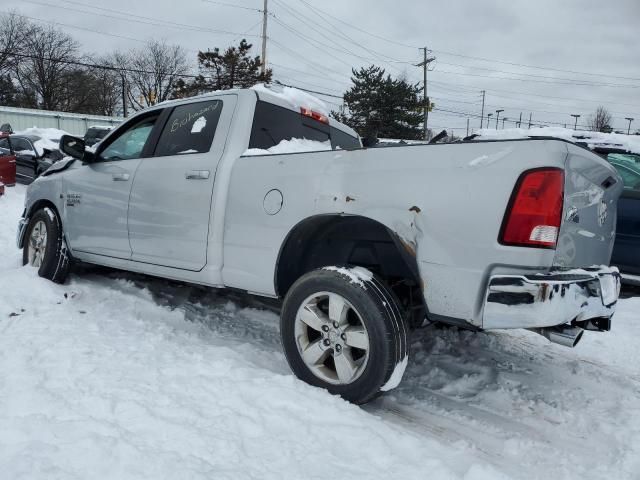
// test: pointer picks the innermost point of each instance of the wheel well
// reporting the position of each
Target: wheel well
(42, 204)
(349, 240)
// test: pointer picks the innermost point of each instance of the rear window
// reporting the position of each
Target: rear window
(273, 124)
(190, 129)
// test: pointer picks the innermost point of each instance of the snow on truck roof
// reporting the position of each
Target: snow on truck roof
(629, 143)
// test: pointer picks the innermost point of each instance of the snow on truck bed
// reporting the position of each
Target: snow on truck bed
(115, 375)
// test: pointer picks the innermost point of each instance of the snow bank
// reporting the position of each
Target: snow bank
(295, 145)
(49, 137)
(631, 143)
(297, 98)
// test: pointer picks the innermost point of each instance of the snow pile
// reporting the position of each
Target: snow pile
(296, 98)
(631, 143)
(49, 138)
(295, 145)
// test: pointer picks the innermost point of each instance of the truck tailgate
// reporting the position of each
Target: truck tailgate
(592, 188)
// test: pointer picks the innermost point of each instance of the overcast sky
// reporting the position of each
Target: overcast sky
(312, 49)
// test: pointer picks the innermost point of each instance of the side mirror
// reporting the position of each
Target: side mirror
(74, 147)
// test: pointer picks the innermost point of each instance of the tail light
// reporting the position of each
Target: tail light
(534, 213)
(307, 112)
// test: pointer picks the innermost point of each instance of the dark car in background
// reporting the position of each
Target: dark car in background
(94, 134)
(626, 251)
(30, 159)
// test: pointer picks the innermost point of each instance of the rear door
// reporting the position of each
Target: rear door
(171, 197)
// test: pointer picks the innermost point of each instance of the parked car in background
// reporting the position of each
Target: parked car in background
(94, 134)
(626, 251)
(7, 163)
(30, 158)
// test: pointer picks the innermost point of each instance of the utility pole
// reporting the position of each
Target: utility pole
(482, 113)
(529, 120)
(467, 126)
(498, 116)
(427, 104)
(265, 15)
(576, 116)
(520, 121)
(630, 120)
(124, 96)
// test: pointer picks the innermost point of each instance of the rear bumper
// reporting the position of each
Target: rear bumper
(555, 298)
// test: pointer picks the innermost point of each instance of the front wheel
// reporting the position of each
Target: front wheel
(44, 246)
(342, 331)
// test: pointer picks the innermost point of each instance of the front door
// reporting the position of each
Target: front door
(97, 194)
(170, 204)
(7, 163)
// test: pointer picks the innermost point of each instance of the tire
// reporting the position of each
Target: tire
(48, 253)
(342, 330)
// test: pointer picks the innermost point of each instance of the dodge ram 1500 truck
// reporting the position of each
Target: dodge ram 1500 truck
(362, 245)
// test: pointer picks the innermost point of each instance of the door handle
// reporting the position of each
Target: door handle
(120, 177)
(197, 174)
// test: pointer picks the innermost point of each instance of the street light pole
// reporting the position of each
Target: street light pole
(576, 116)
(504, 119)
(630, 120)
(489, 115)
(498, 116)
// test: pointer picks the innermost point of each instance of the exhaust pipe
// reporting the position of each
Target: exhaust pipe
(564, 335)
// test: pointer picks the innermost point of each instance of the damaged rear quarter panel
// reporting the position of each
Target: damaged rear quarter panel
(445, 201)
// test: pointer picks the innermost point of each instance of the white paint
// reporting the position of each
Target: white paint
(357, 275)
(396, 376)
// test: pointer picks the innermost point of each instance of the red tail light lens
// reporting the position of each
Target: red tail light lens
(534, 215)
(307, 112)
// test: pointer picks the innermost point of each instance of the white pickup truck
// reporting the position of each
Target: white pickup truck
(362, 245)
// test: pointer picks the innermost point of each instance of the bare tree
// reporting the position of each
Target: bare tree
(50, 54)
(14, 29)
(600, 121)
(152, 72)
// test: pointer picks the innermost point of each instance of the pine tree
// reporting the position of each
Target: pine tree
(233, 68)
(380, 106)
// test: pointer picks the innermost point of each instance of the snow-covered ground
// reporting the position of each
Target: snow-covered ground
(116, 375)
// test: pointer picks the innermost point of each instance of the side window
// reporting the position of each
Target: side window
(22, 146)
(5, 148)
(272, 124)
(628, 167)
(340, 139)
(190, 129)
(131, 142)
(630, 177)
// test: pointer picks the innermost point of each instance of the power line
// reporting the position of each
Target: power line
(232, 5)
(141, 19)
(359, 29)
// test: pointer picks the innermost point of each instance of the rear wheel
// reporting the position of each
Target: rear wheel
(342, 330)
(44, 246)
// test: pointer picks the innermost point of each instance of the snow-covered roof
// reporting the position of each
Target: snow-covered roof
(630, 143)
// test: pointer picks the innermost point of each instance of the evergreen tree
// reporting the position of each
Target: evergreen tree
(380, 106)
(233, 68)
